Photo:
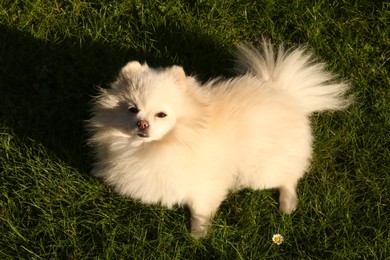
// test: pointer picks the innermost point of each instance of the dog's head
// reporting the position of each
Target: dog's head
(144, 103)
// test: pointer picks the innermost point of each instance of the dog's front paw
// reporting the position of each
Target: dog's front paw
(199, 232)
(199, 226)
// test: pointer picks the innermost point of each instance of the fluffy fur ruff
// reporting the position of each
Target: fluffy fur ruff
(161, 137)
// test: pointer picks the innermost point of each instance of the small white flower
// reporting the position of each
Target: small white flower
(277, 239)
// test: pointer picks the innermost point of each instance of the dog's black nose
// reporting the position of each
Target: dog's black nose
(142, 124)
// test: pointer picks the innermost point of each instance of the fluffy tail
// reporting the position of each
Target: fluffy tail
(297, 72)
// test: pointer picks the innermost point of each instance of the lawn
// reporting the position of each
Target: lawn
(53, 55)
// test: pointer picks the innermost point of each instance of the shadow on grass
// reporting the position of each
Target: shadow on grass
(46, 87)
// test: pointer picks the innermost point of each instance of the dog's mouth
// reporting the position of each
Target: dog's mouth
(143, 134)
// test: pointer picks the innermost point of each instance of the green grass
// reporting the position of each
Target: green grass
(54, 53)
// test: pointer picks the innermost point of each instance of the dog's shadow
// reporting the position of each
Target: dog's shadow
(46, 87)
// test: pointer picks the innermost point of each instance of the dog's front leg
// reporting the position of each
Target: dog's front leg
(201, 214)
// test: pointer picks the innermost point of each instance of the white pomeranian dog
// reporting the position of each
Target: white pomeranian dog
(162, 137)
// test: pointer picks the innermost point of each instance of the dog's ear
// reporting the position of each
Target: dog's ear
(133, 67)
(127, 72)
(178, 74)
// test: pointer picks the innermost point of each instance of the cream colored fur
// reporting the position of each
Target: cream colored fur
(249, 131)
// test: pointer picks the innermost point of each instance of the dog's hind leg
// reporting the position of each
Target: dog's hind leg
(288, 198)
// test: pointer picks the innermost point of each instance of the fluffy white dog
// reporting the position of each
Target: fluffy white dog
(162, 137)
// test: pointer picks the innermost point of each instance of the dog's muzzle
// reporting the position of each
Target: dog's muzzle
(143, 127)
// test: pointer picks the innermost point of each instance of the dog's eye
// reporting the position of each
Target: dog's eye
(133, 110)
(161, 115)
